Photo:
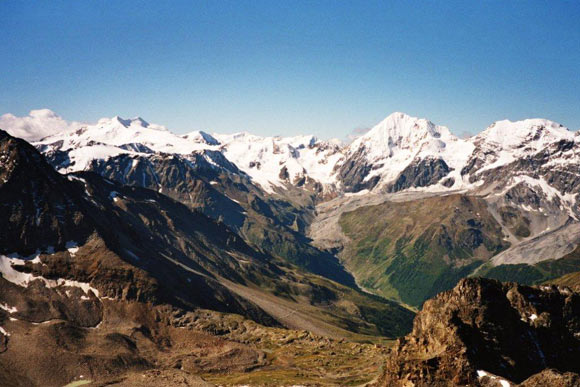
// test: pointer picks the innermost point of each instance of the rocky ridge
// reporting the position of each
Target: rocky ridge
(484, 332)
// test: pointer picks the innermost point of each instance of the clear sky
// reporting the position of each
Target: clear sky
(290, 67)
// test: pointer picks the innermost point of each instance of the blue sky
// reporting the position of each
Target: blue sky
(290, 67)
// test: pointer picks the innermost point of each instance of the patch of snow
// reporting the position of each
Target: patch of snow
(114, 196)
(201, 137)
(233, 200)
(8, 309)
(35, 258)
(72, 247)
(565, 291)
(533, 317)
(3, 331)
(24, 279)
(503, 382)
(362, 192)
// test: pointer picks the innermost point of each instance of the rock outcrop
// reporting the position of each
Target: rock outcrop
(484, 332)
(420, 173)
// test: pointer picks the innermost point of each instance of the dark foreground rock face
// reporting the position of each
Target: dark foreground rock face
(507, 332)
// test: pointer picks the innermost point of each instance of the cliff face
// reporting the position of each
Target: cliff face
(484, 332)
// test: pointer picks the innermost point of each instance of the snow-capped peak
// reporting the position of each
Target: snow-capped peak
(505, 141)
(275, 161)
(401, 131)
(133, 123)
(139, 121)
(508, 134)
(110, 137)
(399, 140)
(200, 136)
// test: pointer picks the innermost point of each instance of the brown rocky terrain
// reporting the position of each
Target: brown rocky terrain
(137, 344)
(484, 332)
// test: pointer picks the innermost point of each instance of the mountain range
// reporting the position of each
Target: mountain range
(399, 153)
(125, 221)
(525, 173)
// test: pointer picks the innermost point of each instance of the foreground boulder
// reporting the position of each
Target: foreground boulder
(484, 332)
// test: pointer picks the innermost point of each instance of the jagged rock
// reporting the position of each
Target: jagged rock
(421, 173)
(353, 172)
(552, 378)
(284, 173)
(502, 329)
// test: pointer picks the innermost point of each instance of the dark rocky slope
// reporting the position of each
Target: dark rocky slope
(128, 243)
(209, 183)
(420, 173)
(484, 331)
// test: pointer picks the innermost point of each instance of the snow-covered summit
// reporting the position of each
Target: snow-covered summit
(111, 137)
(117, 132)
(135, 123)
(401, 131)
(505, 141)
(538, 132)
(399, 140)
(200, 136)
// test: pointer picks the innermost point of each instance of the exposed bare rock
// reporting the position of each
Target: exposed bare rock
(484, 327)
(552, 378)
(421, 173)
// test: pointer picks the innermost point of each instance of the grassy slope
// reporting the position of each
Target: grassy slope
(301, 300)
(410, 251)
(535, 274)
(571, 279)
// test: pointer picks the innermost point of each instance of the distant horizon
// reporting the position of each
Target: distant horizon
(53, 122)
(313, 67)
